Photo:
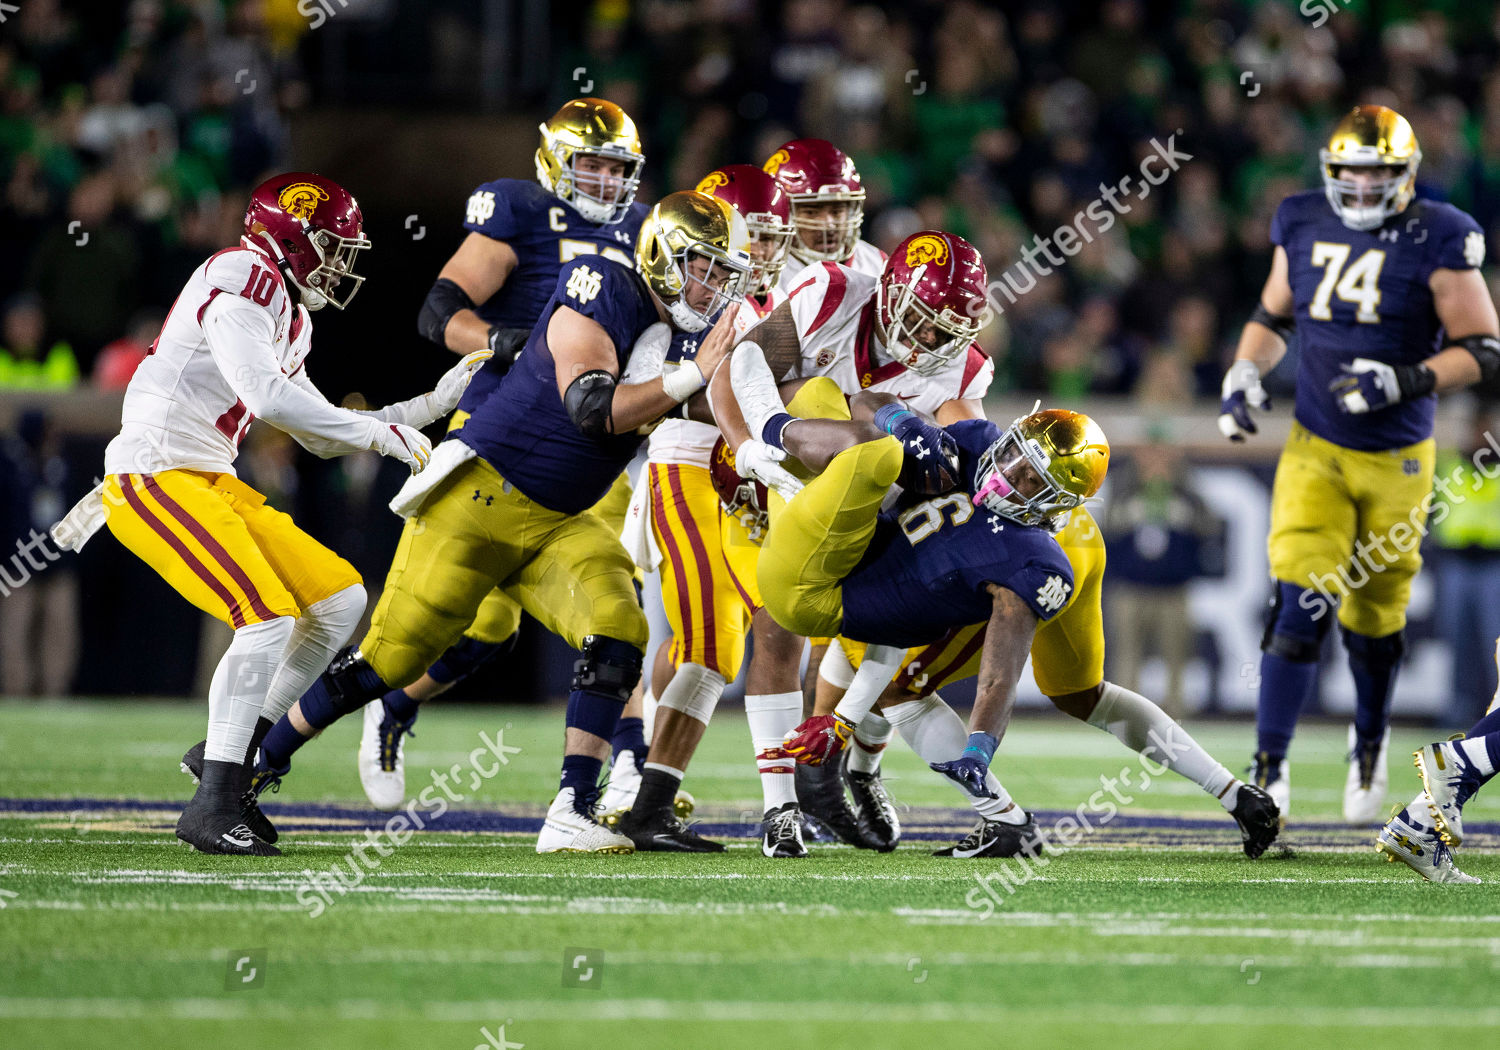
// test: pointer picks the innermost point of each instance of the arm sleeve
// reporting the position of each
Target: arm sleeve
(239, 337)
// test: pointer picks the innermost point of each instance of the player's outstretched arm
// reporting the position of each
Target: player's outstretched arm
(1261, 348)
(1462, 302)
(473, 274)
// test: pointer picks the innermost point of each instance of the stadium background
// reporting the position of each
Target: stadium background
(142, 124)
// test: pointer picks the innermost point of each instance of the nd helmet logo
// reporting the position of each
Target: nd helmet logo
(773, 165)
(301, 199)
(928, 248)
(712, 181)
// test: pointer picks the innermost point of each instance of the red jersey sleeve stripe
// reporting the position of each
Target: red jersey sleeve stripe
(837, 284)
(974, 362)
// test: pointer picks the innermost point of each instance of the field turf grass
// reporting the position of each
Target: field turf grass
(1154, 931)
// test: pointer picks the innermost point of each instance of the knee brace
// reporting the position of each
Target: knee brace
(1293, 632)
(1377, 654)
(609, 667)
(466, 656)
(694, 690)
(348, 684)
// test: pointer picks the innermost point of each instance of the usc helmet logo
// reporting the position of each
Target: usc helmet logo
(301, 199)
(927, 249)
(776, 160)
(712, 181)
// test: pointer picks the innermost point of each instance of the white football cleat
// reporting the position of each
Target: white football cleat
(1364, 788)
(1421, 850)
(619, 793)
(382, 765)
(1442, 767)
(1275, 781)
(568, 829)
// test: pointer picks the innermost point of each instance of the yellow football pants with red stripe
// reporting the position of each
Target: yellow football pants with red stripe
(708, 587)
(1067, 653)
(214, 540)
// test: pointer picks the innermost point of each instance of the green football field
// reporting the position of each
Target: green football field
(1153, 930)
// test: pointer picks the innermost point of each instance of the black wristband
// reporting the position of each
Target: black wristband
(1415, 381)
(506, 343)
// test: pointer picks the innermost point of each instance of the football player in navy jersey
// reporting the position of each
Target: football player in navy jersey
(490, 293)
(954, 551)
(508, 504)
(1385, 295)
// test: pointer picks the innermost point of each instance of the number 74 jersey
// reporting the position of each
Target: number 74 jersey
(1364, 293)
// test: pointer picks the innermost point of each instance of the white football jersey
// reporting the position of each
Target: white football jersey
(866, 258)
(233, 344)
(688, 441)
(834, 310)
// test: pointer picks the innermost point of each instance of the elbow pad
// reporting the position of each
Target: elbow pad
(589, 401)
(1282, 326)
(443, 301)
(1486, 350)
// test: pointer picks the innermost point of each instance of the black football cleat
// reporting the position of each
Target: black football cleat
(1259, 819)
(250, 811)
(873, 809)
(820, 796)
(662, 832)
(211, 821)
(995, 838)
(781, 832)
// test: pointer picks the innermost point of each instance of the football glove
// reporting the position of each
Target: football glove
(931, 464)
(451, 387)
(758, 460)
(404, 443)
(1240, 392)
(819, 738)
(1368, 385)
(969, 773)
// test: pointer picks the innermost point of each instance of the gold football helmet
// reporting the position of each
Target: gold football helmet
(1373, 137)
(1043, 466)
(682, 226)
(590, 127)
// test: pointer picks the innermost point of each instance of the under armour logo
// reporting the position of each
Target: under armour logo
(919, 448)
(994, 522)
(622, 236)
(689, 347)
(1389, 235)
(487, 500)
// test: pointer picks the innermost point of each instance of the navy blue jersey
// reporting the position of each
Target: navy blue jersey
(545, 233)
(929, 567)
(1364, 293)
(522, 428)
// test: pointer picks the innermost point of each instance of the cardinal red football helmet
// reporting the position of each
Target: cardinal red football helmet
(743, 498)
(931, 301)
(314, 229)
(767, 211)
(828, 200)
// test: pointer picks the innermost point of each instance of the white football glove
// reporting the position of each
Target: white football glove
(404, 443)
(758, 460)
(1240, 392)
(445, 396)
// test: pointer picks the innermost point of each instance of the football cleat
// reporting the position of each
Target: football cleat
(620, 790)
(1364, 788)
(570, 827)
(662, 831)
(781, 832)
(1421, 850)
(1275, 780)
(873, 810)
(382, 764)
(995, 838)
(1259, 819)
(250, 812)
(211, 822)
(1444, 772)
(820, 797)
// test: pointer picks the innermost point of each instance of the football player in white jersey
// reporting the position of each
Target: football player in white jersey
(828, 208)
(233, 349)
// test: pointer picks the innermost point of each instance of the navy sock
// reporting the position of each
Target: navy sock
(1374, 680)
(401, 706)
(630, 735)
(332, 697)
(280, 744)
(1487, 727)
(581, 773)
(594, 713)
(1490, 723)
(1285, 686)
(771, 432)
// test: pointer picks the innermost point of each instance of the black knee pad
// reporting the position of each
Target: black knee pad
(609, 666)
(1280, 616)
(1375, 653)
(352, 682)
